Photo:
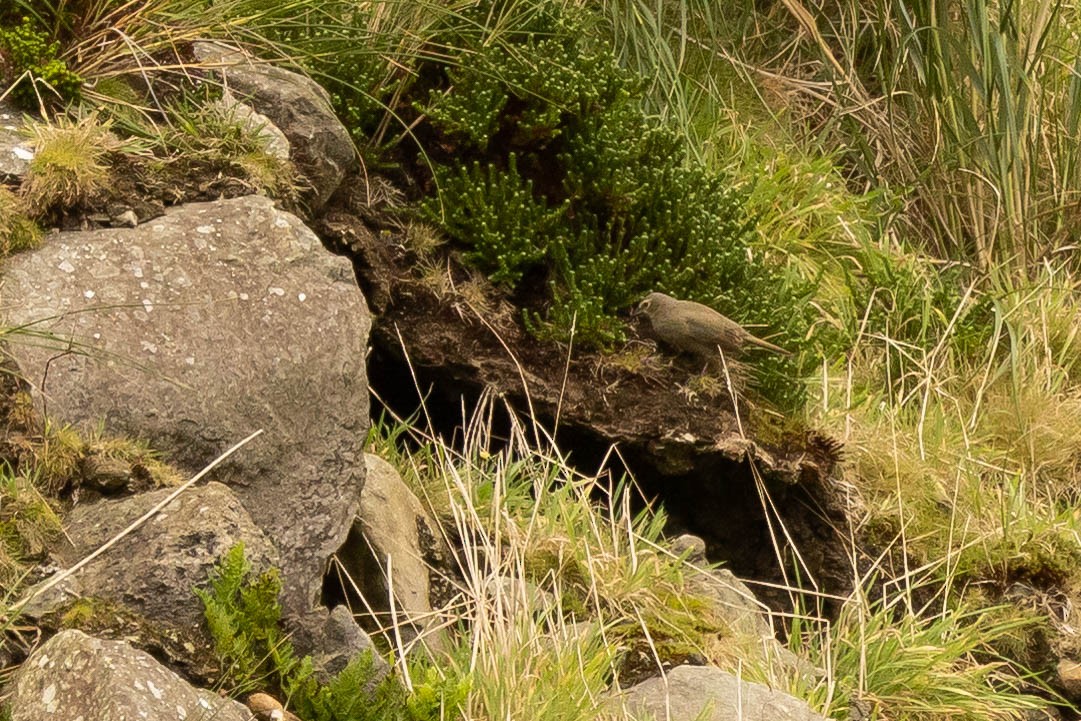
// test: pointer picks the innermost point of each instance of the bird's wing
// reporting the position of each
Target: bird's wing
(710, 329)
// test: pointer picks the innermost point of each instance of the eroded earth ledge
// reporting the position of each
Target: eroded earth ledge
(689, 452)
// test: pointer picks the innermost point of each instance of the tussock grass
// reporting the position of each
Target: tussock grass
(558, 581)
(70, 163)
(28, 522)
(973, 451)
(886, 656)
(17, 231)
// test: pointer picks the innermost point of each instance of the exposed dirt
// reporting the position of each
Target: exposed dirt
(140, 189)
(443, 330)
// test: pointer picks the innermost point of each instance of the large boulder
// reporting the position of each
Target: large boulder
(75, 677)
(194, 330)
(320, 145)
(704, 693)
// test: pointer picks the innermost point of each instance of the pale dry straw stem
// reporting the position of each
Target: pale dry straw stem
(521, 373)
(413, 376)
(427, 628)
(850, 361)
(930, 362)
(399, 645)
(345, 577)
(566, 371)
(897, 488)
(732, 393)
(652, 649)
(985, 382)
(774, 520)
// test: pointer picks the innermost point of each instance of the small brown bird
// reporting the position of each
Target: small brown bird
(691, 327)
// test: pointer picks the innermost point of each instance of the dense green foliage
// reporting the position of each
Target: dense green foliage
(29, 62)
(243, 614)
(565, 191)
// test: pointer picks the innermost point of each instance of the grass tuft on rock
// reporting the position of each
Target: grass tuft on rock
(70, 164)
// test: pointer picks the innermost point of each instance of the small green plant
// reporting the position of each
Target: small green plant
(30, 65)
(243, 614)
(437, 696)
(205, 131)
(28, 522)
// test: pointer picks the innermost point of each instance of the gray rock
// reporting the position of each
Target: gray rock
(704, 693)
(335, 639)
(15, 150)
(692, 548)
(196, 329)
(75, 677)
(747, 619)
(734, 601)
(49, 595)
(154, 569)
(321, 147)
(389, 526)
(277, 145)
(1068, 673)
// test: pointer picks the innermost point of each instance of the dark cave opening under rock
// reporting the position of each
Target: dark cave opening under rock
(746, 519)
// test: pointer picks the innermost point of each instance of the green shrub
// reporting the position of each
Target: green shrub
(560, 186)
(510, 230)
(30, 62)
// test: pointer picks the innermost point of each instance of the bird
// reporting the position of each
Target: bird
(693, 328)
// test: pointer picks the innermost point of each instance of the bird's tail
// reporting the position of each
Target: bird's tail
(767, 345)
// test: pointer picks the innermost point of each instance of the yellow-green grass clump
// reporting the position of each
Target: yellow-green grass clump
(70, 164)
